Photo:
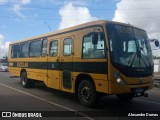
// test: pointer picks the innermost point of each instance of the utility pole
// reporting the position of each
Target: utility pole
(49, 27)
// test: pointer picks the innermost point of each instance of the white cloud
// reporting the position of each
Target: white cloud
(6, 45)
(141, 13)
(26, 1)
(3, 46)
(1, 39)
(16, 7)
(17, 10)
(3, 1)
(74, 2)
(72, 15)
(79, 2)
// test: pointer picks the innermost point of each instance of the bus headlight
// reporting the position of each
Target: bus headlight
(120, 81)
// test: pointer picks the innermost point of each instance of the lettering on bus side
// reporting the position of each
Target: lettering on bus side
(10, 64)
(22, 64)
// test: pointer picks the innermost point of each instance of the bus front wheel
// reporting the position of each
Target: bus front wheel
(87, 93)
(26, 83)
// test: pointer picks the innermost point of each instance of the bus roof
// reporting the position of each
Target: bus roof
(97, 22)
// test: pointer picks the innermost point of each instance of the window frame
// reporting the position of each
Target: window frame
(70, 38)
(30, 48)
(12, 50)
(105, 45)
(22, 44)
(50, 48)
(42, 47)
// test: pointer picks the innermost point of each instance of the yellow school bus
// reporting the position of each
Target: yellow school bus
(99, 57)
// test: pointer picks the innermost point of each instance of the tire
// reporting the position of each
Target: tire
(125, 97)
(87, 93)
(26, 83)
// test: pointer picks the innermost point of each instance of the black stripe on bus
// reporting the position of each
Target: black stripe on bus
(90, 67)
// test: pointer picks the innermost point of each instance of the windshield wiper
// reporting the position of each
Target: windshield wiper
(145, 62)
(141, 49)
(138, 53)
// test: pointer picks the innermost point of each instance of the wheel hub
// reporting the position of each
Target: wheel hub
(86, 93)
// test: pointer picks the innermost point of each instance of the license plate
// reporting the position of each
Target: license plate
(139, 90)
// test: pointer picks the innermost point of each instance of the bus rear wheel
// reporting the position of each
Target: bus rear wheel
(26, 83)
(87, 93)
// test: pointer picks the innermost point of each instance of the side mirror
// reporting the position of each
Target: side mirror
(156, 42)
(95, 38)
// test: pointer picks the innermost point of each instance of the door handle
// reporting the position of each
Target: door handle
(57, 60)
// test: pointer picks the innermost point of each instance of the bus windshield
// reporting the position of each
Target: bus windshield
(129, 46)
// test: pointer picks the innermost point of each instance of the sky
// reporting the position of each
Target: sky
(20, 19)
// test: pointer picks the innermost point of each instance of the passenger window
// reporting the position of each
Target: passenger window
(24, 48)
(15, 51)
(53, 48)
(91, 50)
(35, 49)
(67, 47)
(44, 48)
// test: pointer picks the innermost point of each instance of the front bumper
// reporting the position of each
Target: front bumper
(115, 88)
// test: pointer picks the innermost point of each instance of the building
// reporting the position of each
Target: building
(156, 65)
(5, 60)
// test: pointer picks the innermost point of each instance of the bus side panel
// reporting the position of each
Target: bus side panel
(90, 67)
(101, 86)
(35, 74)
(54, 79)
(53, 65)
(14, 71)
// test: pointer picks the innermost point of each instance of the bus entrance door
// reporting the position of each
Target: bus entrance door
(54, 64)
(67, 63)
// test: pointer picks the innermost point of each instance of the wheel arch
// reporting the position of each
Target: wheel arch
(81, 77)
(23, 70)
(26, 82)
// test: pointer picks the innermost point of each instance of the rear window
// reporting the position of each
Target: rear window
(15, 51)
